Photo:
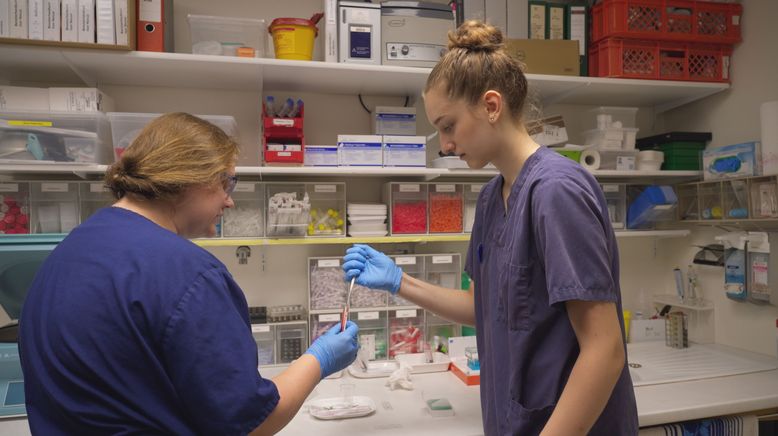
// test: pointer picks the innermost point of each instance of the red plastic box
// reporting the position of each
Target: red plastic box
(636, 59)
(667, 20)
(285, 131)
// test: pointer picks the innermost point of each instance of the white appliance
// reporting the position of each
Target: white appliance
(359, 33)
(414, 34)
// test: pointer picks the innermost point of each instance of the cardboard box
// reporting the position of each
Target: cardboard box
(732, 161)
(21, 98)
(541, 56)
(360, 150)
(79, 100)
(405, 151)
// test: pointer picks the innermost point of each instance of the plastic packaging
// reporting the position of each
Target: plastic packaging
(734, 265)
(14, 208)
(654, 204)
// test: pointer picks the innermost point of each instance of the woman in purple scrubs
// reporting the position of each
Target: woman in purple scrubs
(543, 257)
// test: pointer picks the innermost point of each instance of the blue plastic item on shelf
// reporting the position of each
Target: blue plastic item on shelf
(654, 204)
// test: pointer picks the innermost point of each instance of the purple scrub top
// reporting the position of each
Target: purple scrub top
(555, 243)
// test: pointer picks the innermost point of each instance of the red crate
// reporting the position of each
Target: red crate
(636, 59)
(285, 131)
(667, 20)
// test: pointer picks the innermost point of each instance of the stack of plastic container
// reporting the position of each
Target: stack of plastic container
(664, 39)
(367, 219)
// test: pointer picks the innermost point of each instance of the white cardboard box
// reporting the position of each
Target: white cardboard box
(390, 120)
(22, 98)
(405, 151)
(79, 100)
(360, 150)
(52, 20)
(643, 330)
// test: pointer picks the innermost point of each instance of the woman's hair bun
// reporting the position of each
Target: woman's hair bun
(473, 35)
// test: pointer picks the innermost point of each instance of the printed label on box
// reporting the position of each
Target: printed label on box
(325, 188)
(260, 328)
(55, 187)
(30, 123)
(366, 316)
(329, 263)
(409, 313)
(409, 188)
(329, 317)
(442, 259)
(405, 260)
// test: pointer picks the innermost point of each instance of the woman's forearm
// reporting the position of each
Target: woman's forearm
(453, 304)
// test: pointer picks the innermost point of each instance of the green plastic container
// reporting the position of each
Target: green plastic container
(682, 156)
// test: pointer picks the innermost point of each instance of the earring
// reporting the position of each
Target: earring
(491, 119)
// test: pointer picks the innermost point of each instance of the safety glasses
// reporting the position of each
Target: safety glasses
(229, 183)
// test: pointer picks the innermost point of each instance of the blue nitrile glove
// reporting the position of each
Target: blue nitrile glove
(372, 268)
(335, 350)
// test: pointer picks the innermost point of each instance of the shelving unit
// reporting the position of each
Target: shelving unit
(672, 300)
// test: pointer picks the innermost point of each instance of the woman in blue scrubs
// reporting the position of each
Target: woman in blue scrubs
(130, 328)
(543, 257)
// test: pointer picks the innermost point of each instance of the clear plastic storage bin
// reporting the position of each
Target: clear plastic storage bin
(414, 267)
(14, 208)
(443, 270)
(264, 336)
(93, 196)
(440, 327)
(471, 192)
(290, 342)
(362, 297)
(322, 322)
(326, 287)
(688, 202)
(445, 200)
(54, 206)
(224, 35)
(407, 208)
(372, 333)
(55, 136)
(125, 127)
(764, 197)
(247, 217)
(406, 331)
(300, 209)
(710, 201)
(328, 209)
(616, 199)
(734, 198)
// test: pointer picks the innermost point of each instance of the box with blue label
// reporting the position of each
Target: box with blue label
(731, 161)
(321, 156)
(655, 203)
(360, 151)
(389, 120)
(405, 151)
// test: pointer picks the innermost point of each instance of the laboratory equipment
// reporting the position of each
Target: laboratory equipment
(710, 201)
(326, 288)
(650, 160)
(764, 197)
(55, 136)
(758, 259)
(292, 312)
(367, 219)
(413, 34)
(654, 203)
(264, 336)
(414, 267)
(405, 151)
(372, 333)
(734, 199)
(399, 121)
(676, 330)
(93, 196)
(360, 150)
(407, 207)
(258, 314)
(328, 209)
(322, 322)
(359, 33)
(418, 363)
(735, 284)
(439, 407)
(471, 193)
(344, 315)
(293, 38)
(287, 213)
(443, 270)
(125, 127)
(405, 331)
(247, 217)
(471, 354)
(14, 208)
(373, 369)
(54, 206)
(213, 35)
(616, 199)
(688, 202)
(439, 328)
(321, 156)
(445, 204)
(283, 138)
(290, 342)
(336, 408)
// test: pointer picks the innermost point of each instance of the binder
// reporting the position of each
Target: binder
(154, 25)
(517, 20)
(35, 19)
(122, 22)
(69, 24)
(52, 19)
(5, 18)
(537, 19)
(556, 15)
(18, 12)
(577, 29)
(495, 11)
(105, 22)
(86, 21)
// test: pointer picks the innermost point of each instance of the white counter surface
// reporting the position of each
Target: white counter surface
(403, 412)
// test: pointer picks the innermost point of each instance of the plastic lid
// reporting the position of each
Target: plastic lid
(292, 22)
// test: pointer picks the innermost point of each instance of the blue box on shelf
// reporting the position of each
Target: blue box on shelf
(655, 203)
(731, 161)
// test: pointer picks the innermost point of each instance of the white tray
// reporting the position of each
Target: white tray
(383, 368)
(367, 234)
(334, 408)
(416, 362)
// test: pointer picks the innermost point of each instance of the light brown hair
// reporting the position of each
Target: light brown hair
(172, 153)
(476, 62)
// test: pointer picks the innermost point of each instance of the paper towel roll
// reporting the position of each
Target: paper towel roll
(768, 113)
(590, 159)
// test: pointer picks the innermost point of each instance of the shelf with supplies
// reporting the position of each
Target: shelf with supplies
(183, 70)
(674, 301)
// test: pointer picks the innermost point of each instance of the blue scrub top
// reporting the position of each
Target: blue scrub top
(554, 244)
(130, 328)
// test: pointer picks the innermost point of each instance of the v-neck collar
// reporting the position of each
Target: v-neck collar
(531, 161)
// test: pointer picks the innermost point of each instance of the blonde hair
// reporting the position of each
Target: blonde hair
(476, 62)
(172, 153)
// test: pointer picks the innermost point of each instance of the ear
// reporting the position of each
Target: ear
(492, 101)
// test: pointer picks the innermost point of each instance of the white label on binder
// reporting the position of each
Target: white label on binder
(245, 187)
(476, 188)
(405, 260)
(54, 187)
(329, 263)
(366, 316)
(409, 313)
(97, 187)
(409, 188)
(442, 259)
(325, 188)
(260, 328)
(329, 317)
(9, 187)
(445, 188)
(150, 10)
(610, 188)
